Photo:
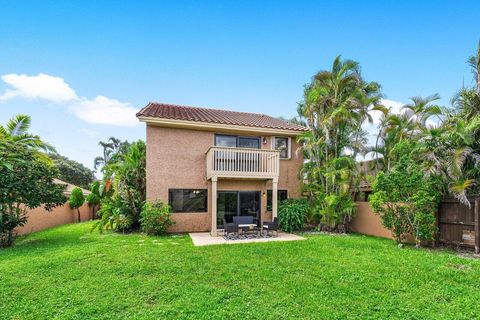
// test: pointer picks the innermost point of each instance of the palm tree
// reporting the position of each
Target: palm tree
(421, 109)
(408, 124)
(336, 104)
(111, 148)
(15, 134)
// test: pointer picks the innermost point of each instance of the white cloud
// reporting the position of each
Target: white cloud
(100, 110)
(41, 86)
(103, 110)
(394, 106)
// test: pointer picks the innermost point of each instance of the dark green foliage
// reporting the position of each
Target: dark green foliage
(292, 214)
(115, 214)
(155, 218)
(94, 197)
(406, 199)
(27, 183)
(72, 172)
(77, 199)
(124, 189)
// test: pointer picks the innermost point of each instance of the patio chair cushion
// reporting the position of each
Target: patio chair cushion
(243, 219)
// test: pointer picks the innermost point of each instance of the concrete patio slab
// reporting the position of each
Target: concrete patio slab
(205, 239)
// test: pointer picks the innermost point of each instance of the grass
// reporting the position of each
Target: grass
(70, 273)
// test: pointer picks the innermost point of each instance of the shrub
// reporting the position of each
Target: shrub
(27, 182)
(155, 218)
(292, 214)
(94, 197)
(115, 214)
(406, 200)
(77, 199)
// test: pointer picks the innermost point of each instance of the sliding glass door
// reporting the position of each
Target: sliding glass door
(227, 206)
(237, 203)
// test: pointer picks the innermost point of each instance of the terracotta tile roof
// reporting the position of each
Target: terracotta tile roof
(185, 113)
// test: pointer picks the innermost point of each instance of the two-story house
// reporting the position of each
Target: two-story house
(211, 165)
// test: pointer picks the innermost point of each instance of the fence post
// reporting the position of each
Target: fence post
(477, 225)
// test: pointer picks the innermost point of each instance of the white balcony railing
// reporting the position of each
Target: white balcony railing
(224, 162)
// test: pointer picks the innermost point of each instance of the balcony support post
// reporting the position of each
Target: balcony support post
(213, 231)
(274, 197)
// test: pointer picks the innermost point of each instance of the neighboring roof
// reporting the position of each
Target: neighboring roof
(70, 187)
(215, 116)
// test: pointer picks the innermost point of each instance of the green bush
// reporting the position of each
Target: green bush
(27, 182)
(407, 200)
(115, 214)
(77, 199)
(155, 218)
(292, 214)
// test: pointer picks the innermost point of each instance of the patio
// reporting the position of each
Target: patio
(206, 239)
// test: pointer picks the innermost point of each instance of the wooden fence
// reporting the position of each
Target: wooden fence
(458, 224)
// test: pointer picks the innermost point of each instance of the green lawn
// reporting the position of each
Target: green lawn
(70, 273)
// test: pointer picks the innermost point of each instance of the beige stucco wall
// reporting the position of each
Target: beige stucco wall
(40, 219)
(176, 159)
(367, 222)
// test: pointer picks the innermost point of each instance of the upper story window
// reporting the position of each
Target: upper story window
(223, 140)
(188, 200)
(282, 144)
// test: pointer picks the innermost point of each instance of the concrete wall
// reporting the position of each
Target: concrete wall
(367, 222)
(40, 219)
(176, 159)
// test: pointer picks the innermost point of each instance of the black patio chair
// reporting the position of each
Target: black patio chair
(270, 227)
(230, 230)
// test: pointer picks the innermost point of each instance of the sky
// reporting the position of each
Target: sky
(82, 69)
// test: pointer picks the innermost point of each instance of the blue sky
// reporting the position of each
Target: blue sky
(82, 68)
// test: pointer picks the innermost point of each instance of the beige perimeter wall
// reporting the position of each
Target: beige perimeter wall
(367, 222)
(40, 219)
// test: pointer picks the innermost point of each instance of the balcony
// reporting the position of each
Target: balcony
(243, 163)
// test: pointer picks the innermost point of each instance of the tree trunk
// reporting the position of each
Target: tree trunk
(78, 212)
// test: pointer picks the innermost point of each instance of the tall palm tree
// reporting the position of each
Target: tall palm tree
(336, 104)
(408, 124)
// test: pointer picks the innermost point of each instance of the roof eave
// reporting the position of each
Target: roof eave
(209, 126)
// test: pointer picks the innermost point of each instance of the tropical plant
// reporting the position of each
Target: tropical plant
(121, 207)
(114, 215)
(292, 214)
(15, 132)
(406, 199)
(77, 199)
(409, 124)
(155, 218)
(112, 148)
(336, 104)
